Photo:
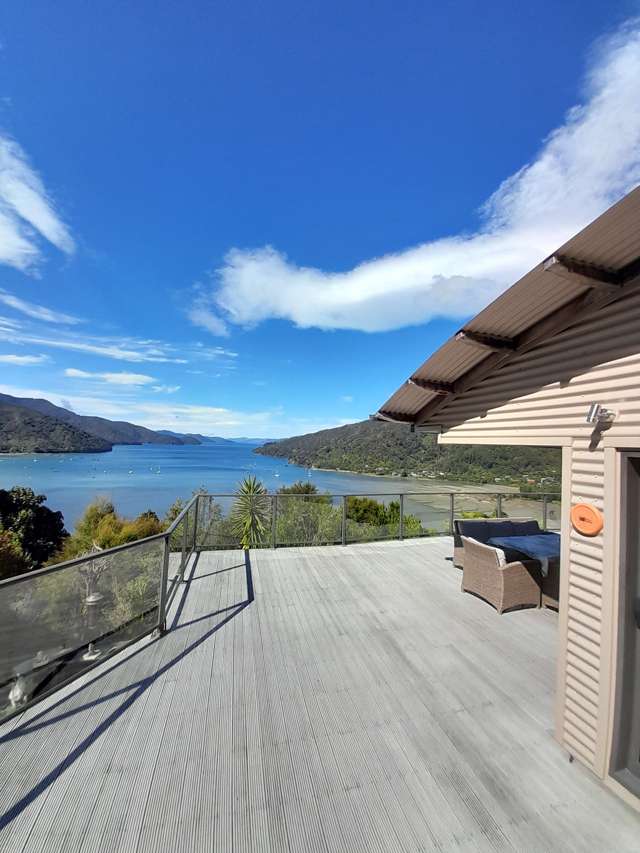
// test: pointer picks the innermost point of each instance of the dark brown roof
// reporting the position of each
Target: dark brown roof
(597, 266)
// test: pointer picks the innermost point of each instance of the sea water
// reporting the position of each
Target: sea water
(151, 476)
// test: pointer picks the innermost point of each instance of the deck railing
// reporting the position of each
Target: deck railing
(58, 622)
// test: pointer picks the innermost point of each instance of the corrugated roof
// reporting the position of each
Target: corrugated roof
(528, 312)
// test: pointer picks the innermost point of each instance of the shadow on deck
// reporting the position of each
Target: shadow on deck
(307, 700)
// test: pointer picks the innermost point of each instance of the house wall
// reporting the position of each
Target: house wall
(594, 361)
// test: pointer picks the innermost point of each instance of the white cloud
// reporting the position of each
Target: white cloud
(584, 165)
(25, 209)
(119, 349)
(9, 325)
(23, 360)
(202, 315)
(346, 398)
(129, 379)
(37, 312)
(166, 389)
(201, 351)
(182, 417)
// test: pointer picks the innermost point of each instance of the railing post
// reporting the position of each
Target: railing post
(195, 521)
(274, 519)
(164, 580)
(183, 555)
(209, 520)
(452, 511)
(544, 512)
(401, 527)
(498, 506)
(344, 519)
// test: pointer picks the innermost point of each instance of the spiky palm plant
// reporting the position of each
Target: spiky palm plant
(251, 513)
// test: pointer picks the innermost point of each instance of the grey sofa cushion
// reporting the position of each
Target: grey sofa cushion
(476, 528)
(483, 529)
(519, 528)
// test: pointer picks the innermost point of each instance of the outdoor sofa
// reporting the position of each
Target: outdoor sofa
(503, 584)
(502, 590)
(483, 529)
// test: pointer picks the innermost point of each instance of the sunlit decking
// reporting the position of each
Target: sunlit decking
(315, 699)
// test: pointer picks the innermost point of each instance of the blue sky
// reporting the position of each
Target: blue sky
(252, 218)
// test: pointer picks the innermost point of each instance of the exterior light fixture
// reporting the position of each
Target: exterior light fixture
(598, 415)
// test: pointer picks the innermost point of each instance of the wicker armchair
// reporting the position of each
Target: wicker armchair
(482, 529)
(503, 585)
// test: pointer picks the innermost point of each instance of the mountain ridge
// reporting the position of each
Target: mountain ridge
(24, 430)
(375, 447)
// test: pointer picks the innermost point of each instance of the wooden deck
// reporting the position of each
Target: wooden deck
(359, 702)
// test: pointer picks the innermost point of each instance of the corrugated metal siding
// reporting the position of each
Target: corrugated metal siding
(544, 394)
(581, 713)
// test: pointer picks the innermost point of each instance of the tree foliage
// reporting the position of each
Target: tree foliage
(36, 531)
(12, 560)
(376, 447)
(101, 527)
(251, 513)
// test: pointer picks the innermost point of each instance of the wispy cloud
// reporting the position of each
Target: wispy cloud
(23, 360)
(346, 398)
(122, 378)
(9, 325)
(200, 350)
(166, 389)
(182, 417)
(26, 211)
(37, 312)
(202, 314)
(584, 165)
(118, 349)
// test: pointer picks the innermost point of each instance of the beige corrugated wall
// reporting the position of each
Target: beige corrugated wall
(540, 398)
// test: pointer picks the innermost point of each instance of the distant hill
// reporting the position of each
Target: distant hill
(196, 437)
(24, 430)
(114, 432)
(185, 438)
(375, 447)
(244, 440)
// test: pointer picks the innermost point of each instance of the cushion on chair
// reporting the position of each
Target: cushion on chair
(500, 554)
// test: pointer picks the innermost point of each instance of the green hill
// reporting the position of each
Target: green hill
(375, 447)
(114, 432)
(23, 430)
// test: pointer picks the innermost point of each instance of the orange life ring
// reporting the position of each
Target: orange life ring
(586, 519)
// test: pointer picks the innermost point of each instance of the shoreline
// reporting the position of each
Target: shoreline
(451, 484)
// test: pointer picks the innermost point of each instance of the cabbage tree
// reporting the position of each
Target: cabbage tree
(251, 513)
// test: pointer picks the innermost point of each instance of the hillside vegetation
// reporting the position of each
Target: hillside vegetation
(25, 431)
(115, 432)
(374, 447)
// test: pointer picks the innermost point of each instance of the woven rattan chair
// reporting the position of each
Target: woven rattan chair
(482, 529)
(504, 585)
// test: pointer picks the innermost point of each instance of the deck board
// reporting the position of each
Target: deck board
(360, 702)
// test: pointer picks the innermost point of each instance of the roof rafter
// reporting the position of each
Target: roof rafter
(443, 388)
(576, 310)
(391, 417)
(596, 274)
(485, 341)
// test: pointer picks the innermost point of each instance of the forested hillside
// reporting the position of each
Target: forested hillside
(376, 447)
(115, 432)
(23, 430)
